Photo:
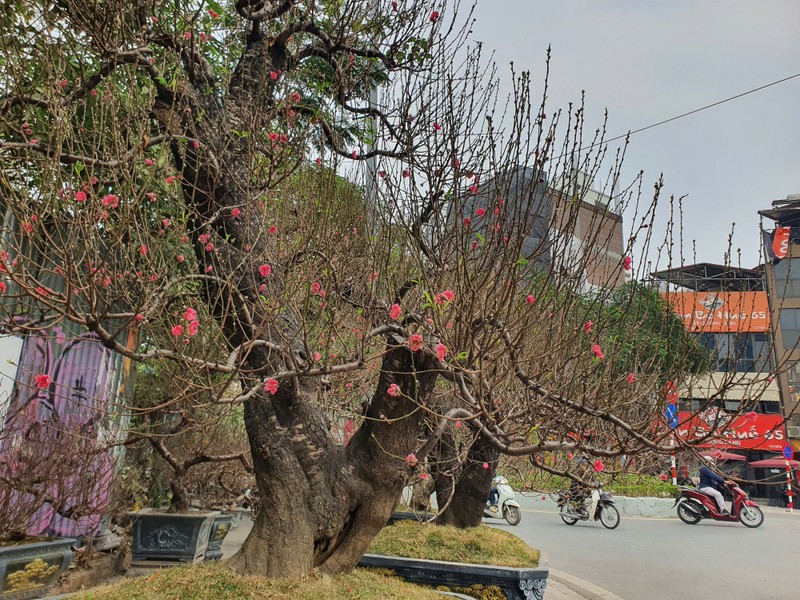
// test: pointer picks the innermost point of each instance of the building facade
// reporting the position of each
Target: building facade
(780, 233)
(727, 310)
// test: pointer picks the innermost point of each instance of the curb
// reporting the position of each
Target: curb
(582, 587)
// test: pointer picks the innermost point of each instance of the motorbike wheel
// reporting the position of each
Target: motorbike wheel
(751, 516)
(513, 515)
(687, 516)
(609, 516)
(567, 515)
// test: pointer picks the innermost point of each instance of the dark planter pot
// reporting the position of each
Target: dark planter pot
(517, 584)
(170, 537)
(29, 570)
(219, 529)
(409, 516)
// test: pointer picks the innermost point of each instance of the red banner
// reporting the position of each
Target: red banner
(757, 432)
(780, 241)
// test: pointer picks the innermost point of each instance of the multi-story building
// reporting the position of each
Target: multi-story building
(588, 227)
(781, 236)
(740, 314)
(727, 309)
(570, 226)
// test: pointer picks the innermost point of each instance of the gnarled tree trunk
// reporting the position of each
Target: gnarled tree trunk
(323, 503)
(463, 493)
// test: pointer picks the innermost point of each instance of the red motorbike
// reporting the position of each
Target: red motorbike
(694, 506)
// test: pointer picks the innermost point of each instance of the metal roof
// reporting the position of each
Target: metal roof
(785, 213)
(708, 277)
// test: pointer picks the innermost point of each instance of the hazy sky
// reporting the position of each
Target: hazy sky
(647, 61)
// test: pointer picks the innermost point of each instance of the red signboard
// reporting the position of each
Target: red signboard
(721, 312)
(757, 432)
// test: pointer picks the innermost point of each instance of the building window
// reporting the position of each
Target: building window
(790, 327)
(787, 278)
(769, 407)
(794, 382)
(740, 352)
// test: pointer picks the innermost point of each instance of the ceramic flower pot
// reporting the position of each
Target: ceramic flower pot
(28, 570)
(170, 537)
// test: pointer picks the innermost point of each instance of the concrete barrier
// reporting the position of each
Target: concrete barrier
(628, 507)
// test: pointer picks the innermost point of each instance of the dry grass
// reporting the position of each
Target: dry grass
(212, 581)
(480, 545)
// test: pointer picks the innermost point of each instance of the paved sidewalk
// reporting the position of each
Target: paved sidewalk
(560, 586)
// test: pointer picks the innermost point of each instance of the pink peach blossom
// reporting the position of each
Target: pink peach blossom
(271, 386)
(110, 200)
(42, 381)
(395, 311)
(415, 342)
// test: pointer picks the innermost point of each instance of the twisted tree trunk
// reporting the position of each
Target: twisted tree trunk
(464, 493)
(323, 503)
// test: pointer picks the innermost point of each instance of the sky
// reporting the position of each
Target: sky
(647, 61)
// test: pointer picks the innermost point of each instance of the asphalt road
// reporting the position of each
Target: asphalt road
(665, 559)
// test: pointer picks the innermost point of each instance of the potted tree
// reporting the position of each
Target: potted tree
(40, 499)
(200, 456)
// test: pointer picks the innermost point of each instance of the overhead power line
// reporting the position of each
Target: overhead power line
(697, 110)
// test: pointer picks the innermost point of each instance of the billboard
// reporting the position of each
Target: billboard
(721, 312)
(753, 432)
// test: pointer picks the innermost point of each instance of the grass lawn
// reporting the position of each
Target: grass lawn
(481, 545)
(212, 581)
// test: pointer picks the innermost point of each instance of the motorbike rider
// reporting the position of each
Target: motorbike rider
(579, 492)
(494, 493)
(710, 482)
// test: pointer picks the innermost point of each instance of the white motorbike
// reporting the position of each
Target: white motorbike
(507, 506)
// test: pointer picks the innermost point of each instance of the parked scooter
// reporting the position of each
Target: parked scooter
(507, 507)
(694, 506)
(598, 506)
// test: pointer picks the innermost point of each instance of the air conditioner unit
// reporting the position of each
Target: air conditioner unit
(793, 432)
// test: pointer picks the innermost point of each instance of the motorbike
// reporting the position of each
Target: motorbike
(507, 507)
(599, 506)
(694, 506)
